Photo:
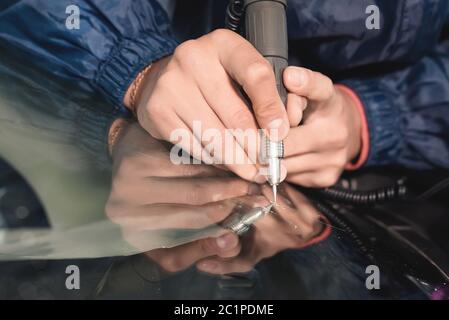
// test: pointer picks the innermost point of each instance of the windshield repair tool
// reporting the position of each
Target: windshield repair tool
(266, 29)
(241, 220)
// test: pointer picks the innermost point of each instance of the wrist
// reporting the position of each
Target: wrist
(134, 91)
(360, 142)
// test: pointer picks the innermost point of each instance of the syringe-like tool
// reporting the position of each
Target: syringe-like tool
(266, 29)
(241, 222)
(274, 152)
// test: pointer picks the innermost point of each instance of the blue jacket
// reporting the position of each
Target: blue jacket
(400, 71)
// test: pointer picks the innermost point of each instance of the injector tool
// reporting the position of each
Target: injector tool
(242, 218)
(265, 27)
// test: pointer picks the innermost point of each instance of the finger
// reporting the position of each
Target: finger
(226, 266)
(167, 164)
(254, 73)
(310, 138)
(171, 216)
(314, 161)
(183, 138)
(194, 191)
(295, 107)
(316, 179)
(183, 256)
(222, 94)
(307, 83)
(218, 142)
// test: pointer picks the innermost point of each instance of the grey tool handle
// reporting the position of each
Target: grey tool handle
(266, 29)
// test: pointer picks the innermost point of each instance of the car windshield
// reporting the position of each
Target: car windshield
(59, 212)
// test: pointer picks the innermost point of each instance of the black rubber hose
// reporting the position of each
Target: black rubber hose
(234, 13)
(376, 196)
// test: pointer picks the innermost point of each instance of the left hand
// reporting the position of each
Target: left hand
(317, 151)
(150, 195)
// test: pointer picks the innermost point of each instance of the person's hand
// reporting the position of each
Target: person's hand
(295, 224)
(150, 194)
(329, 137)
(200, 82)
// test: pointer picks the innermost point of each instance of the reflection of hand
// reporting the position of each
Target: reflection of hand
(330, 136)
(151, 193)
(196, 84)
(297, 224)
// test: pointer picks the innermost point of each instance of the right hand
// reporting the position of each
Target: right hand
(150, 193)
(199, 82)
(295, 224)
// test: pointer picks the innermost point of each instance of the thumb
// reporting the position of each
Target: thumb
(309, 84)
(273, 119)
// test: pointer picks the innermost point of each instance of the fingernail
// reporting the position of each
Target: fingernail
(275, 124)
(297, 77)
(207, 265)
(277, 129)
(226, 242)
(254, 189)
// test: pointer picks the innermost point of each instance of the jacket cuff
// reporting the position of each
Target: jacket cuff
(92, 136)
(127, 59)
(324, 234)
(383, 121)
(364, 134)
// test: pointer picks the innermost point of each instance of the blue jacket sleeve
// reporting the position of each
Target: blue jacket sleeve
(408, 113)
(114, 41)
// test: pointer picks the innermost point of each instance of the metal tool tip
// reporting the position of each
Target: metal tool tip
(275, 193)
(268, 208)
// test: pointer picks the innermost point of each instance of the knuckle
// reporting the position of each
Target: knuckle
(169, 263)
(242, 118)
(195, 194)
(111, 211)
(216, 212)
(186, 51)
(165, 85)
(328, 179)
(221, 34)
(155, 107)
(115, 210)
(269, 108)
(206, 246)
(257, 72)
